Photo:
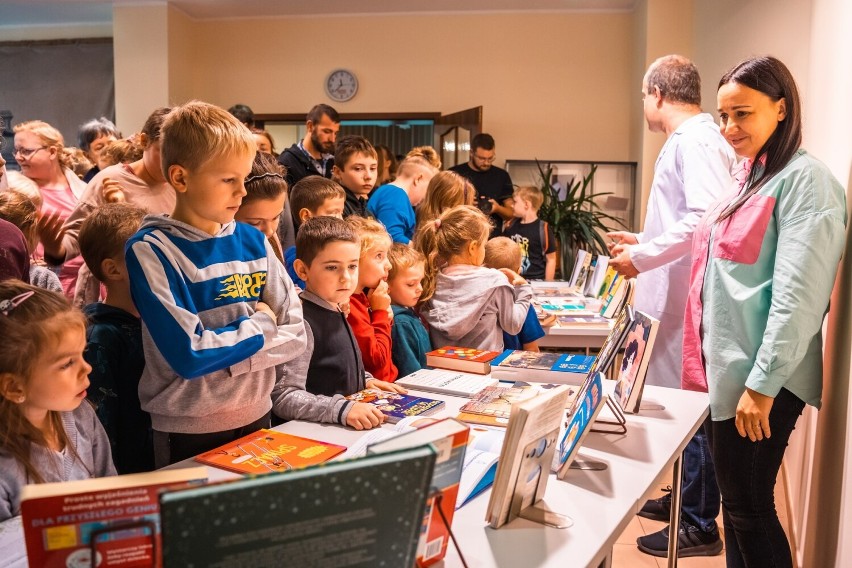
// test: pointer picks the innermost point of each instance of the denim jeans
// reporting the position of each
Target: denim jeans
(699, 496)
(746, 472)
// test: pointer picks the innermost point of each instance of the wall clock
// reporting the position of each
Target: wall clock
(341, 85)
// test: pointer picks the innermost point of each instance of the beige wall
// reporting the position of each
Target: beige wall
(553, 86)
(141, 50)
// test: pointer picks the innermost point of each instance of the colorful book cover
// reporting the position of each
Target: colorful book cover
(268, 451)
(397, 406)
(461, 359)
(65, 524)
(634, 363)
(497, 401)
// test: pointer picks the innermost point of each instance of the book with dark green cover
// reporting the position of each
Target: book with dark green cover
(362, 512)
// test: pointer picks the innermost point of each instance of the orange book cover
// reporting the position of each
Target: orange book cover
(267, 451)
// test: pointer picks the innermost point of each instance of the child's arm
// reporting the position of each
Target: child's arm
(513, 304)
(291, 401)
(550, 266)
(162, 295)
(372, 331)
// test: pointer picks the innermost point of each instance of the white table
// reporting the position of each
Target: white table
(601, 503)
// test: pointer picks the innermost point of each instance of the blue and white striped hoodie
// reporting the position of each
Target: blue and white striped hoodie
(210, 358)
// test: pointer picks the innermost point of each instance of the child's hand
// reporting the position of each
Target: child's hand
(112, 191)
(385, 386)
(515, 279)
(363, 416)
(379, 297)
(344, 307)
(262, 307)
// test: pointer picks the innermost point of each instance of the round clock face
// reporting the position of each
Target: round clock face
(341, 85)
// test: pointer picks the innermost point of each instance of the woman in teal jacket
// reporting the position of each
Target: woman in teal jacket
(764, 262)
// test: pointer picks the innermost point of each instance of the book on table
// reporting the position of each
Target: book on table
(396, 406)
(609, 276)
(585, 322)
(579, 262)
(563, 368)
(360, 512)
(461, 359)
(497, 401)
(638, 346)
(614, 340)
(107, 521)
(583, 413)
(526, 456)
(449, 439)
(593, 282)
(480, 462)
(442, 381)
(268, 451)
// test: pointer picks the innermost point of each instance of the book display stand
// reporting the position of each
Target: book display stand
(529, 488)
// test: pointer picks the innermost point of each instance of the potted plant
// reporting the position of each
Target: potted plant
(577, 221)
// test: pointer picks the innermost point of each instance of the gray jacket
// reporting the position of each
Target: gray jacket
(93, 459)
(473, 306)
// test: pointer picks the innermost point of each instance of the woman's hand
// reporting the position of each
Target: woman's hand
(753, 415)
(50, 232)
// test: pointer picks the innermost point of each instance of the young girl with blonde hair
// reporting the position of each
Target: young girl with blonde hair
(48, 434)
(464, 303)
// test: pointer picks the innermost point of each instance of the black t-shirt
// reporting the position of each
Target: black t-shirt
(494, 183)
(529, 238)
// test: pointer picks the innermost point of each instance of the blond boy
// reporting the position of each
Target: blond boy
(218, 310)
(533, 236)
(503, 252)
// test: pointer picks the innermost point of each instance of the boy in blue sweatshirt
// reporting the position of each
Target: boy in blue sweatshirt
(393, 203)
(410, 341)
(219, 312)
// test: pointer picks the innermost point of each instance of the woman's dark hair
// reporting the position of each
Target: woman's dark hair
(94, 129)
(772, 78)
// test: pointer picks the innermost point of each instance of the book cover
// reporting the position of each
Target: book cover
(461, 359)
(104, 522)
(268, 451)
(593, 282)
(638, 345)
(563, 368)
(480, 462)
(614, 340)
(497, 401)
(585, 410)
(579, 262)
(607, 282)
(442, 381)
(585, 271)
(360, 512)
(397, 406)
(449, 439)
(526, 455)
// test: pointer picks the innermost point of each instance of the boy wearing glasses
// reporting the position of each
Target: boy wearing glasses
(493, 185)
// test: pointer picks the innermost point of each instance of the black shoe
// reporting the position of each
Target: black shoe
(658, 509)
(691, 541)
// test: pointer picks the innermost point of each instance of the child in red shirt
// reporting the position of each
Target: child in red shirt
(370, 315)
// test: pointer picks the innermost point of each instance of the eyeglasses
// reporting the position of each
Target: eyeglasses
(27, 153)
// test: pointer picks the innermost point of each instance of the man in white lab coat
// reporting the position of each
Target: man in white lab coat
(692, 171)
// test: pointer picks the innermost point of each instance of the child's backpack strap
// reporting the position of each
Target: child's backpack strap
(542, 236)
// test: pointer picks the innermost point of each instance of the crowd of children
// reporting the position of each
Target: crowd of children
(208, 328)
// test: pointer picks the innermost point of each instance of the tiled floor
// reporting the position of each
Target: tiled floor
(625, 554)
